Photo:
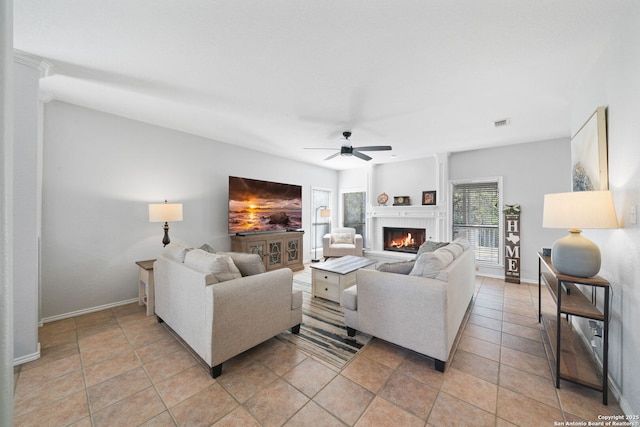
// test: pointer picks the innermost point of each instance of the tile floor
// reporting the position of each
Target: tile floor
(118, 367)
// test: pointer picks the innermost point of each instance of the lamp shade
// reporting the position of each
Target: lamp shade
(325, 213)
(165, 212)
(574, 254)
(579, 209)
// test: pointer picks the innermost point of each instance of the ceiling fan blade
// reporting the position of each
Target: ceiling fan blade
(361, 155)
(332, 156)
(319, 148)
(374, 148)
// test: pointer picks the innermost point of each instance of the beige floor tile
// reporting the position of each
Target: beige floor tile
(41, 394)
(184, 384)
(450, 411)
(533, 386)
(487, 312)
(205, 407)
(158, 349)
(494, 305)
(522, 410)
(584, 402)
(485, 322)
(526, 362)
(110, 337)
(60, 338)
(482, 333)
(518, 303)
(276, 403)
(133, 410)
(247, 381)
(384, 413)
(49, 371)
(309, 377)
(164, 419)
(62, 412)
(422, 369)
(57, 326)
(468, 388)
(385, 353)
(533, 347)
(480, 347)
(51, 354)
(313, 414)
(95, 318)
(529, 319)
(344, 399)
(110, 368)
(117, 388)
(128, 309)
(169, 365)
(145, 336)
(410, 394)
(476, 365)
(533, 334)
(237, 418)
(368, 373)
(98, 353)
(283, 359)
(87, 331)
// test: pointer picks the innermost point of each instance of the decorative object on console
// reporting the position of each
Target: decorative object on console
(589, 154)
(428, 198)
(383, 199)
(512, 243)
(574, 254)
(401, 201)
(165, 212)
(324, 213)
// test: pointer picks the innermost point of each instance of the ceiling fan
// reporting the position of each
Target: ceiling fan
(348, 150)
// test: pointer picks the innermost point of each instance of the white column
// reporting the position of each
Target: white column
(6, 213)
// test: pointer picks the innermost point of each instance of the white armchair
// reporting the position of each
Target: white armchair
(340, 242)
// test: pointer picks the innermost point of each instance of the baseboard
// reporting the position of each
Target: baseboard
(27, 358)
(87, 310)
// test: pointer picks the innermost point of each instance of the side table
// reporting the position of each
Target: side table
(145, 285)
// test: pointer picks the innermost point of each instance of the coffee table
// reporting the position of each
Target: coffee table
(329, 279)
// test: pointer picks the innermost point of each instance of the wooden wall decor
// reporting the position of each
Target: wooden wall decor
(511, 243)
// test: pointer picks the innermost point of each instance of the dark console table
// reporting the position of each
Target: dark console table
(573, 362)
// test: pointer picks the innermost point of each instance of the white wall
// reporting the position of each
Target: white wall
(529, 171)
(26, 207)
(100, 173)
(405, 178)
(6, 213)
(615, 83)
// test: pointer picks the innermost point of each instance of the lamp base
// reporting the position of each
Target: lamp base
(166, 239)
(575, 255)
(315, 260)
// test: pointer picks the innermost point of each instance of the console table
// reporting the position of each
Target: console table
(573, 363)
(277, 249)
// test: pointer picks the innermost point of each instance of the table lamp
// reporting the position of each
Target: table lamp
(165, 212)
(574, 254)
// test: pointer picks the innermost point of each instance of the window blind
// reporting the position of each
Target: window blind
(476, 216)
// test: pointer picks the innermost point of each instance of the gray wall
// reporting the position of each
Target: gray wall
(614, 83)
(100, 173)
(529, 171)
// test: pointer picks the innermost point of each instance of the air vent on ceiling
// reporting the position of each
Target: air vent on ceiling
(501, 123)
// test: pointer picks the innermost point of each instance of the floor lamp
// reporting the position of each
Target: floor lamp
(324, 213)
(165, 212)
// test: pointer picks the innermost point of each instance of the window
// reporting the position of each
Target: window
(476, 216)
(355, 212)
(320, 225)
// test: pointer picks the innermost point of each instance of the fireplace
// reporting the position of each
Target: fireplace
(402, 239)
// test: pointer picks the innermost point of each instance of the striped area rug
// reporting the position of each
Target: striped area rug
(323, 333)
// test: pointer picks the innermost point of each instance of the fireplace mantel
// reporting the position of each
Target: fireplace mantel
(407, 211)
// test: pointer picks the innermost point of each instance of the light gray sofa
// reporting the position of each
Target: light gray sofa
(421, 311)
(223, 304)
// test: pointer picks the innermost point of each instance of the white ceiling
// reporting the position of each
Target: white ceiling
(424, 76)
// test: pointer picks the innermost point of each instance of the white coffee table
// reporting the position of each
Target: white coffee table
(329, 279)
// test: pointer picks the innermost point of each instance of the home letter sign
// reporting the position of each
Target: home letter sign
(512, 243)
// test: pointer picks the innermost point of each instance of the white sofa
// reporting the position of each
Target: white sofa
(224, 304)
(340, 242)
(421, 311)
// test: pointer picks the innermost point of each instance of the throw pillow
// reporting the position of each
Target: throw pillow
(341, 238)
(429, 246)
(429, 264)
(402, 267)
(248, 264)
(221, 266)
(207, 248)
(175, 252)
(454, 248)
(462, 242)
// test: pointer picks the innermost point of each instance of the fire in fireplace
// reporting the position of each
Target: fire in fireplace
(403, 239)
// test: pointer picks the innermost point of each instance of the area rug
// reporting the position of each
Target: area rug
(323, 333)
